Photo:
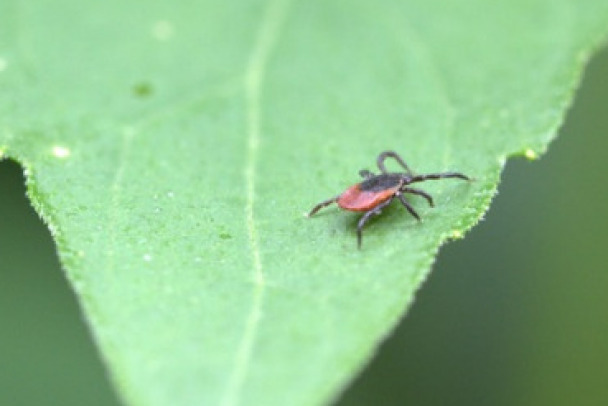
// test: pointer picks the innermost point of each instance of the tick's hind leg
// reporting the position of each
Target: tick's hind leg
(407, 205)
(419, 192)
(396, 157)
(375, 211)
(323, 204)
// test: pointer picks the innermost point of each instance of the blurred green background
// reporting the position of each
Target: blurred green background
(514, 314)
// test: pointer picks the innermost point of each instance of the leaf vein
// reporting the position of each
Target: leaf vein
(115, 192)
(254, 75)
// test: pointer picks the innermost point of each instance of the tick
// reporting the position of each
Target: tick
(378, 191)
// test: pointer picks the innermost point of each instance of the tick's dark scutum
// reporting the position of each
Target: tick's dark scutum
(381, 182)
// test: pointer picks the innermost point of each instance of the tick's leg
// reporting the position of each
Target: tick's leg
(323, 204)
(419, 192)
(420, 178)
(364, 173)
(394, 155)
(376, 210)
(408, 206)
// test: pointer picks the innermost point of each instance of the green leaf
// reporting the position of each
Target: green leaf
(173, 148)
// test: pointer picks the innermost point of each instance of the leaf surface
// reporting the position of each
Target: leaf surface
(173, 149)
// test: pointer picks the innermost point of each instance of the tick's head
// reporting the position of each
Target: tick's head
(406, 178)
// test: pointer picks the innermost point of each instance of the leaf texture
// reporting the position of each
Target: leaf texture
(172, 150)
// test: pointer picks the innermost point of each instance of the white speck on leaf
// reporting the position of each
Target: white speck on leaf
(531, 154)
(129, 131)
(163, 30)
(3, 64)
(147, 257)
(61, 152)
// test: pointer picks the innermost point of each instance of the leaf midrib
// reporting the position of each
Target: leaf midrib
(268, 32)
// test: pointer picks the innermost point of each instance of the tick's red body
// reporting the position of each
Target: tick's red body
(370, 193)
(355, 199)
(378, 191)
